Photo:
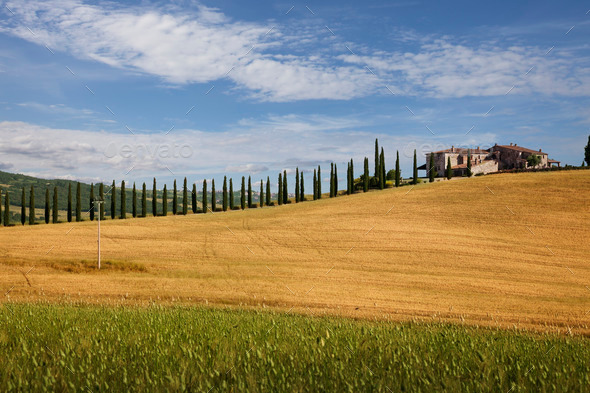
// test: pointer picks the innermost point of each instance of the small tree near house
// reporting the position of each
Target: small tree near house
(431, 169)
(533, 160)
(449, 169)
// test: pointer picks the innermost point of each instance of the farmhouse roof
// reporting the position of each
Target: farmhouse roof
(553, 161)
(522, 149)
(457, 150)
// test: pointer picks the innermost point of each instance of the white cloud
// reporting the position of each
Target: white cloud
(247, 168)
(198, 46)
(202, 45)
(442, 69)
(57, 109)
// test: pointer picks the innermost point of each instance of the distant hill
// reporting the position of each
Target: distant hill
(13, 184)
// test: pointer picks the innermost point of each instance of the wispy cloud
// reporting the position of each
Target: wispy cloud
(195, 47)
(204, 45)
(60, 109)
(443, 69)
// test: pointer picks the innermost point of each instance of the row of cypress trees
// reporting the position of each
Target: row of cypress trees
(51, 210)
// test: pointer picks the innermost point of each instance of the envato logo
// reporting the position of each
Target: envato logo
(148, 150)
(425, 148)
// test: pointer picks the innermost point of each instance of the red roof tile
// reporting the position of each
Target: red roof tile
(462, 151)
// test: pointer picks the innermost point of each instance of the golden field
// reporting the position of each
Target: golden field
(501, 250)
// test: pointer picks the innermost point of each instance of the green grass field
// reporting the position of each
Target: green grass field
(53, 347)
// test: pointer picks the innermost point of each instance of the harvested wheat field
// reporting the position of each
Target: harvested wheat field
(506, 250)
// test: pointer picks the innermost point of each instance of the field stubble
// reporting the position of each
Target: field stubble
(504, 250)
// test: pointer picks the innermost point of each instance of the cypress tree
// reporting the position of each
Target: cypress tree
(23, 208)
(47, 204)
(224, 193)
(351, 176)
(91, 209)
(32, 206)
(261, 195)
(7, 209)
(243, 194)
(319, 183)
(165, 201)
(69, 202)
(113, 201)
(315, 185)
(285, 189)
(415, 174)
(154, 199)
(397, 171)
(55, 206)
(123, 201)
(101, 205)
(213, 195)
(134, 201)
(377, 159)
(382, 168)
(78, 203)
(348, 178)
(302, 188)
(174, 200)
(469, 173)
(297, 185)
(204, 198)
(194, 198)
(231, 194)
(280, 193)
(335, 180)
(249, 193)
(332, 180)
(143, 200)
(185, 198)
(431, 168)
(267, 191)
(366, 176)
(449, 169)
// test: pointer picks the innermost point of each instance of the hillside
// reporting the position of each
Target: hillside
(503, 250)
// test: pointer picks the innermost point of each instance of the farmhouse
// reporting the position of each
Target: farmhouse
(494, 159)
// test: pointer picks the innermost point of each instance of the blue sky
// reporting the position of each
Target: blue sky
(131, 90)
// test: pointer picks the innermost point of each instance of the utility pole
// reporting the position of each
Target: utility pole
(97, 203)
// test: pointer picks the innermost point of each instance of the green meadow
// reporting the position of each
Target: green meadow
(67, 347)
